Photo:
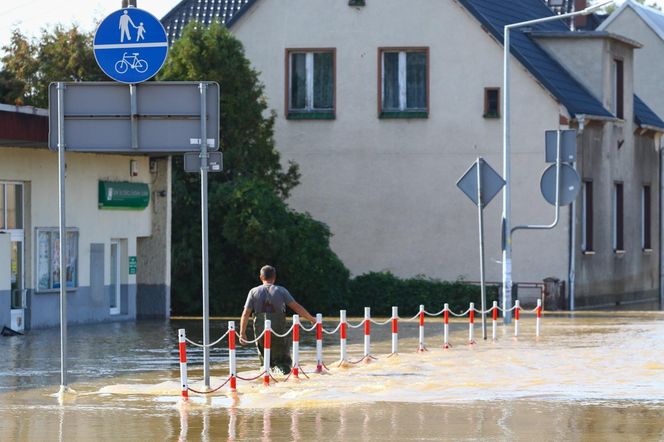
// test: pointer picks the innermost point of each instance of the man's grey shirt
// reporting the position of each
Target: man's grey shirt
(268, 298)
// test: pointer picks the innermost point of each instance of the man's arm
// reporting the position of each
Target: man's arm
(297, 308)
(246, 314)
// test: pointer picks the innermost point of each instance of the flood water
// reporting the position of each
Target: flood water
(590, 376)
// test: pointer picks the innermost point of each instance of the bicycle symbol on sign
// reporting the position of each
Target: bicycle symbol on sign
(131, 61)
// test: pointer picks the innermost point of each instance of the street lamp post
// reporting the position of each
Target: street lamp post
(507, 169)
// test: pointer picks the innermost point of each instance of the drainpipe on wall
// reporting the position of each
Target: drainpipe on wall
(660, 142)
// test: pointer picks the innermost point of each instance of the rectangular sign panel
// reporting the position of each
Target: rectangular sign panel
(98, 116)
(123, 195)
(192, 162)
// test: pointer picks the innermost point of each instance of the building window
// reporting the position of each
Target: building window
(587, 217)
(310, 89)
(48, 258)
(11, 206)
(618, 212)
(491, 102)
(618, 88)
(403, 82)
(646, 220)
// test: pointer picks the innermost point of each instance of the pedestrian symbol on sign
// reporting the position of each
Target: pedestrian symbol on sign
(130, 45)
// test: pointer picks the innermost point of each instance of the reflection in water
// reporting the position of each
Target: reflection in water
(588, 378)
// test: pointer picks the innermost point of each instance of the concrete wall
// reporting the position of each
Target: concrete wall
(5, 281)
(154, 252)
(38, 168)
(648, 61)
(387, 188)
(605, 277)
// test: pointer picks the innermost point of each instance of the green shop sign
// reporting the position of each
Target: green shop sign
(133, 263)
(123, 195)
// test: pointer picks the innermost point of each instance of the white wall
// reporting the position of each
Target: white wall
(39, 167)
(387, 188)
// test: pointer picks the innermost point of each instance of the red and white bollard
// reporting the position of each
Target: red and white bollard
(494, 320)
(420, 345)
(232, 363)
(319, 343)
(182, 344)
(267, 343)
(342, 335)
(471, 324)
(395, 330)
(296, 346)
(539, 318)
(367, 332)
(517, 311)
(446, 326)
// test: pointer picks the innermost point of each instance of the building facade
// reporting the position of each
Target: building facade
(118, 230)
(384, 107)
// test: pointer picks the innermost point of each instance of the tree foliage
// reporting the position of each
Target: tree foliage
(250, 223)
(30, 65)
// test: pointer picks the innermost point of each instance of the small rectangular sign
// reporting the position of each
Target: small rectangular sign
(133, 262)
(192, 162)
(567, 145)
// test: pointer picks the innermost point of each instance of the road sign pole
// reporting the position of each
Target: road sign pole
(63, 238)
(133, 109)
(480, 214)
(204, 236)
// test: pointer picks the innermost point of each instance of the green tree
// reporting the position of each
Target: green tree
(250, 223)
(60, 54)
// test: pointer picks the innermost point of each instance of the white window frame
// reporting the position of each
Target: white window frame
(37, 271)
(309, 80)
(403, 84)
(5, 210)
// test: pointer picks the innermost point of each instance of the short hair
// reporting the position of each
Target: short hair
(268, 272)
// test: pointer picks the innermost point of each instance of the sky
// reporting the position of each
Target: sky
(32, 15)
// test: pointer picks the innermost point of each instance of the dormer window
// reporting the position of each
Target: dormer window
(618, 90)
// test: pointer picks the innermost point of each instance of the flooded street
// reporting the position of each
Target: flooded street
(590, 376)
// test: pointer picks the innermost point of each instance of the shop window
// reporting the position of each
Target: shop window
(48, 259)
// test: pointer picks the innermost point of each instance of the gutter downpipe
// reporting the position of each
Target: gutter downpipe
(661, 221)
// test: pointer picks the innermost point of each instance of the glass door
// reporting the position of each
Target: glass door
(16, 275)
(11, 222)
(115, 278)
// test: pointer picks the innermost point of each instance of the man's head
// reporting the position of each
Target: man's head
(268, 274)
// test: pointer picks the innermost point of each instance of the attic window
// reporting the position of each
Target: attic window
(491, 102)
(356, 3)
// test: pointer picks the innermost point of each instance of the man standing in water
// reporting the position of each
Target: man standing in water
(269, 301)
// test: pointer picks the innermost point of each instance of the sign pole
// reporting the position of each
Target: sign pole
(204, 236)
(480, 213)
(63, 238)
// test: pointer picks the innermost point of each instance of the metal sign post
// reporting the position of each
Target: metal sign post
(480, 216)
(62, 230)
(481, 184)
(204, 236)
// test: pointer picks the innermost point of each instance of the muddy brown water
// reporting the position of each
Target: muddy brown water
(590, 376)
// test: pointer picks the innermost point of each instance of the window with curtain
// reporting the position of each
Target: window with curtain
(404, 82)
(311, 85)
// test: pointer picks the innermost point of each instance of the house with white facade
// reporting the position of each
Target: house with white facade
(384, 105)
(117, 245)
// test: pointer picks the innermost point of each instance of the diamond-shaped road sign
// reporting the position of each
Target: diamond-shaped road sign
(491, 182)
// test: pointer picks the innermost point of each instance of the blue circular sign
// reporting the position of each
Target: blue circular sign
(130, 45)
